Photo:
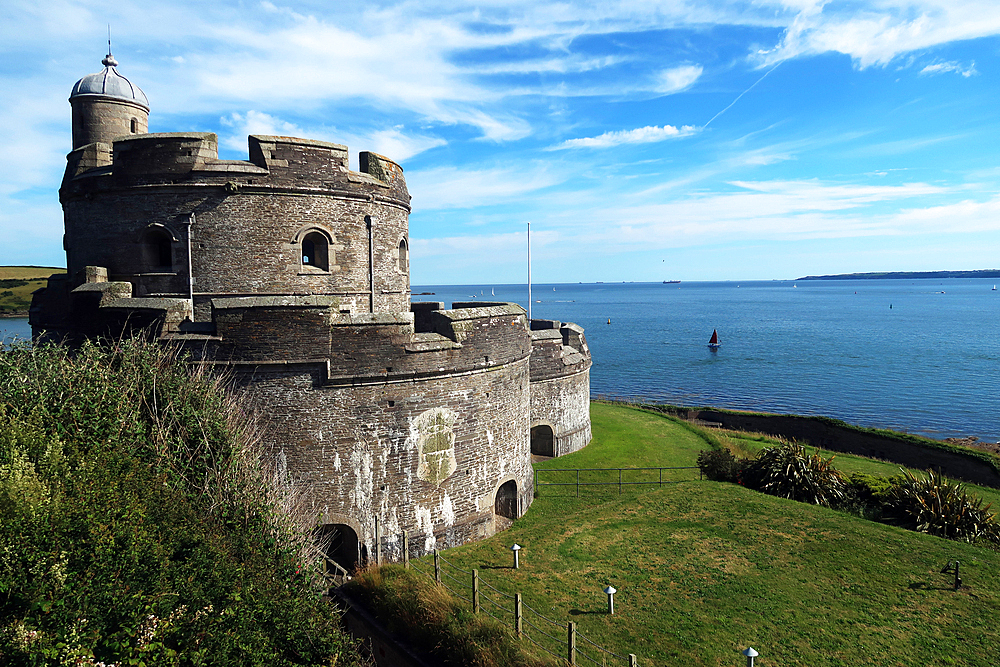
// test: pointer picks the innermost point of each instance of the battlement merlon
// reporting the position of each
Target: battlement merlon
(147, 159)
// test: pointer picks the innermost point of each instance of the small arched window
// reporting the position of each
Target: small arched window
(158, 250)
(404, 256)
(134, 126)
(316, 251)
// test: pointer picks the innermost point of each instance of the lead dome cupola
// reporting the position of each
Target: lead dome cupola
(109, 83)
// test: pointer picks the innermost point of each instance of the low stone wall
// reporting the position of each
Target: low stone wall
(839, 436)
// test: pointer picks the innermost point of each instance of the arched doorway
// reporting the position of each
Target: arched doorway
(339, 543)
(505, 504)
(543, 442)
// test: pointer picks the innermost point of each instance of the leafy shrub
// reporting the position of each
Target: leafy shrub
(942, 507)
(789, 472)
(719, 465)
(433, 621)
(139, 522)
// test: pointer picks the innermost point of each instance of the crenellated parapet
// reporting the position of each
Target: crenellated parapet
(163, 212)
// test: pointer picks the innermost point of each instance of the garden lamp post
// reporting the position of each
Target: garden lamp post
(750, 654)
(515, 549)
(611, 590)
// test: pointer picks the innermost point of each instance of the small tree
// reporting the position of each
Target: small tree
(941, 507)
(789, 472)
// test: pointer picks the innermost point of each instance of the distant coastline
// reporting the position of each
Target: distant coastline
(897, 275)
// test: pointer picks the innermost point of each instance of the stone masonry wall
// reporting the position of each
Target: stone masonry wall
(425, 456)
(564, 404)
(249, 220)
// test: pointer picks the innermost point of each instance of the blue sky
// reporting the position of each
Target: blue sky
(643, 140)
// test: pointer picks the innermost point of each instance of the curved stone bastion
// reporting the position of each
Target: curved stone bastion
(289, 272)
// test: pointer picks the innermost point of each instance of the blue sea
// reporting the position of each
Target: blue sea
(920, 356)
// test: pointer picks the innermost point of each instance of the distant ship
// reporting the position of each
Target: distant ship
(670, 282)
(714, 341)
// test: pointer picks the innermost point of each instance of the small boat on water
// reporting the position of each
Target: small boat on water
(714, 341)
(994, 289)
(670, 282)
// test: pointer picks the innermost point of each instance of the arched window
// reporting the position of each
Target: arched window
(157, 250)
(134, 126)
(404, 256)
(316, 251)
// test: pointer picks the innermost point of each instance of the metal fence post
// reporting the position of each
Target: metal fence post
(661, 477)
(437, 566)
(517, 614)
(577, 482)
(378, 544)
(406, 550)
(475, 591)
(619, 481)
(571, 643)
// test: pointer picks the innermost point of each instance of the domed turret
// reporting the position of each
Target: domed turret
(106, 105)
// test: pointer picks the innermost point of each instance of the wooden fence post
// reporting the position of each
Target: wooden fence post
(571, 641)
(406, 551)
(631, 660)
(517, 614)
(437, 567)
(475, 591)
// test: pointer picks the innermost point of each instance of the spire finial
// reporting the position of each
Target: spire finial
(109, 60)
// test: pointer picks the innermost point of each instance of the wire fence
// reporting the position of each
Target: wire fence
(623, 478)
(561, 640)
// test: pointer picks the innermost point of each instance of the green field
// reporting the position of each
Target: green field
(18, 282)
(705, 569)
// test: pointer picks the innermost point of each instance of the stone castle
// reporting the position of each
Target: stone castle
(290, 272)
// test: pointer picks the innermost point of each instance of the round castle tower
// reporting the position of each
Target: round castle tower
(290, 272)
(106, 105)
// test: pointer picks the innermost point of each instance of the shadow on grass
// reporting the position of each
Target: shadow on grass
(496, 567)
(581, 612)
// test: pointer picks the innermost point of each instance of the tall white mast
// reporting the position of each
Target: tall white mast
(529, 275)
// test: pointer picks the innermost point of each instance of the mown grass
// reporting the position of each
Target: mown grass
(704, 569)
(18, 282)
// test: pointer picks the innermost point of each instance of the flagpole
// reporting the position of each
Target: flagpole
(529, 276)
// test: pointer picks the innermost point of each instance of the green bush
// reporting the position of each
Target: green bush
(139, 523)
(942, 507)
(789, 472)
(719, 465)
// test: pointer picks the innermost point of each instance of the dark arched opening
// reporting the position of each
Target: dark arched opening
(506, 501)
(157, 251)
(404, 257)
(316, 251)
(339, 543)
(543, 442)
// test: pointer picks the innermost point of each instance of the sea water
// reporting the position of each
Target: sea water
(920, 356)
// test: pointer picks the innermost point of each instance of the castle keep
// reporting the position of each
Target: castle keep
(290, 272)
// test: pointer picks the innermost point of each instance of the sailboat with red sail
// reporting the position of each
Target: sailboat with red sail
(714, 342)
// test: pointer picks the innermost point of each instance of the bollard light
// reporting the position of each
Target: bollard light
(750, 654)
(611, 590)
(515, 549)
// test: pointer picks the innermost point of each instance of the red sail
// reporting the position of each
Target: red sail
(715, 338)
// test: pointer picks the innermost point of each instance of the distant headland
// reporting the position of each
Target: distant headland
(896, 275)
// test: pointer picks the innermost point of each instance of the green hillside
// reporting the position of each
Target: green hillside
(704, 569)
(17, 283)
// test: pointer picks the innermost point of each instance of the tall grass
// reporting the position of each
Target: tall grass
(143, 521)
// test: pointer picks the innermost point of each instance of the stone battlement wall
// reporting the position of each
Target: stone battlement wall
(165, 203)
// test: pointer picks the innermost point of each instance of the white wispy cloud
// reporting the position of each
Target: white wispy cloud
(451, 187)
(640, 135)
(676, 79)
(945, 67)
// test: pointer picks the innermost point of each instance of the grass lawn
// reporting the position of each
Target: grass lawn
(18, 282)
(705, 569)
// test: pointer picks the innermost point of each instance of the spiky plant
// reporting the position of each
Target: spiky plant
(789, 472)
(942, 507)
